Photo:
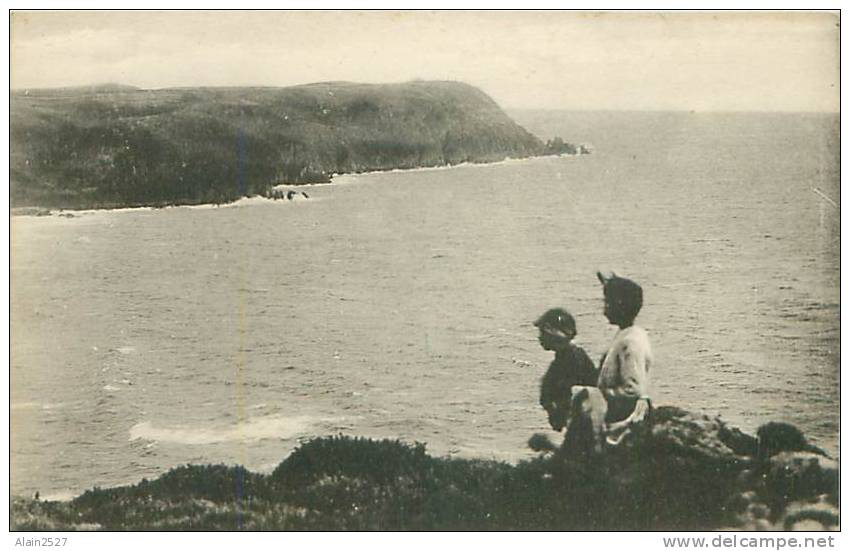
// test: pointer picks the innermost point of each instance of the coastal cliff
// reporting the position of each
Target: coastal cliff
(688, 472)
(120, 146)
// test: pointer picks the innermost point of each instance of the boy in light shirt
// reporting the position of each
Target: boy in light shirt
(624, 374)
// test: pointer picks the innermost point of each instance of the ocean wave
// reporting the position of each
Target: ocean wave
(74, 216)
(259, 428)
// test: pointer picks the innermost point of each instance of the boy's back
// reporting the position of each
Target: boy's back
(571, 366)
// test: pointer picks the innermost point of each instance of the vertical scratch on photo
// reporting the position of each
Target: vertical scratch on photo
(824, 196)
(240, 362)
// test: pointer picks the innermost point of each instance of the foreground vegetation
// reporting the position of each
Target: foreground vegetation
(690, 472)
(120, 146)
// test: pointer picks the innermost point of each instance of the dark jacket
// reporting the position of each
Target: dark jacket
(570, 367)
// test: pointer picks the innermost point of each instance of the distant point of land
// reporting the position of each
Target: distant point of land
(111, 145)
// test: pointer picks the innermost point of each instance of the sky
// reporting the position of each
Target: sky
(701, 61)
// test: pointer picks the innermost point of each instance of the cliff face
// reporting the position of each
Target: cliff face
(688, 472)
(117, 146)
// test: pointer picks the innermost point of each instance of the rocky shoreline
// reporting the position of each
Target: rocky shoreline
(71, 212)
(688, 472)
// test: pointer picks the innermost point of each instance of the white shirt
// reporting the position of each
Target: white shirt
(625, 371)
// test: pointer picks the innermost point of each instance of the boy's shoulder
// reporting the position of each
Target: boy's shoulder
(577, 349)
(583, 368)
(580, 356)
(634, 340)
(635, 335)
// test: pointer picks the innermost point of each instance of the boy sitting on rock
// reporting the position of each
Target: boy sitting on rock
(570, 367)
(624, 375)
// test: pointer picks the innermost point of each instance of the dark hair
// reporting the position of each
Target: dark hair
(625, 295)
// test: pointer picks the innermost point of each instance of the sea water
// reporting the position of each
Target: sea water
(400, 304)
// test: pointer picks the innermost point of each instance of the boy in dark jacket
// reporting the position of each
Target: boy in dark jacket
(570, 367)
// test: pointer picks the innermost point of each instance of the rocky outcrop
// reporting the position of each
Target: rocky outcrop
(691, 471)
(684, 471)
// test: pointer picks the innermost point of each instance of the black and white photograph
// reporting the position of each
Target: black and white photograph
(424, 271)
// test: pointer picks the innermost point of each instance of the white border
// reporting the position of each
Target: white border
(410, 541)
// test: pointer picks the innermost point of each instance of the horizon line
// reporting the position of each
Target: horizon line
(133, 87)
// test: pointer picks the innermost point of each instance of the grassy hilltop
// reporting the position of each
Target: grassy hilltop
(690, 472)
(120, 146)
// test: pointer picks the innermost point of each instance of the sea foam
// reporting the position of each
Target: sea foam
(258, 428)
